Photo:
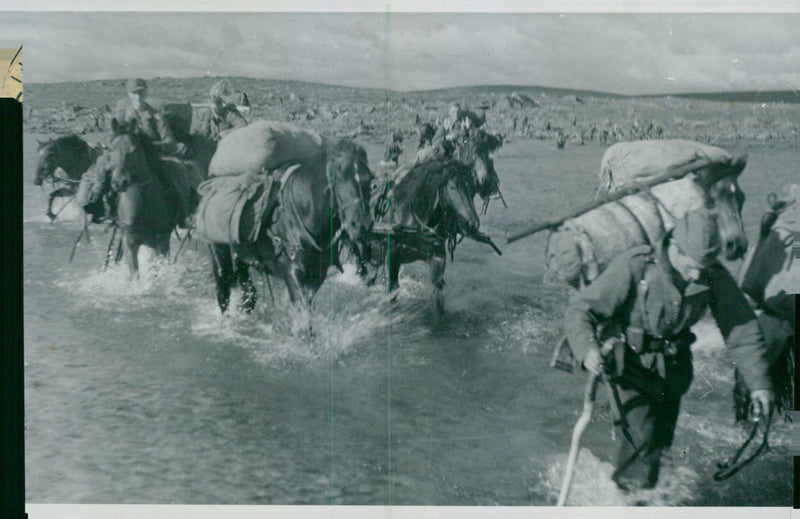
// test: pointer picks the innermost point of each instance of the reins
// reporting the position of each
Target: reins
(735, 464)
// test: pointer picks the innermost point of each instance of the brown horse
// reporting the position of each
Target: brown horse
(147, 211)
(428, 207)
(474, 148)
(318, 204)
(63, 161)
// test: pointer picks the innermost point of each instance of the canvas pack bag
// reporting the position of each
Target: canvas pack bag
(232, 208)
(264, 146)
(639, 161)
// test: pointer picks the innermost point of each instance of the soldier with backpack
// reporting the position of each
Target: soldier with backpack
(641, 308)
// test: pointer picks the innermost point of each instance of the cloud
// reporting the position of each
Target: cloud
(622, 53)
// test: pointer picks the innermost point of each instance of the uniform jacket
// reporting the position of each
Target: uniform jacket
(152, 123)
(225, 119)
(666, 306)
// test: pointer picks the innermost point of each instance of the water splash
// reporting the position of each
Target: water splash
(592, 484)
(524, 332)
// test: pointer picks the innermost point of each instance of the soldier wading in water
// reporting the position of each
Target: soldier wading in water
(643, 305)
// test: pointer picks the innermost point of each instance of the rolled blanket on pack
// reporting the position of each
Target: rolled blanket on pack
(581, 248)
(264, 146)
(232, 208)
(638, 161)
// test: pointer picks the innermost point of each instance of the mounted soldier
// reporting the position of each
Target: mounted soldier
(224, 115)
(641, 308)
(135, 111)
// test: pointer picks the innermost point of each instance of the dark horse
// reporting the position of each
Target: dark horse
(427, 208)
(473, 147)
(147, 211)
(771, 276)
(317, 204)
(63, 161)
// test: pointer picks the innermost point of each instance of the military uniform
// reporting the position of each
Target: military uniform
(644, 301)
(224, 119)
(151, 122)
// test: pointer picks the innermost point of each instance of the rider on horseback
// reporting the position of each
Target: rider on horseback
(224, 116)
(151, 123)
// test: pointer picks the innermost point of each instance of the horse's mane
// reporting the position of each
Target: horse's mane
(346, 148)
(478, 141)
(422, 183)
(151, 155)
(71, 140)
(68, 143)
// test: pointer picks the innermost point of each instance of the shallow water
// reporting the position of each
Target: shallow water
(142, 392)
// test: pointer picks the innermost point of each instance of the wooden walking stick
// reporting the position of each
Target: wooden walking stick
(589, 395)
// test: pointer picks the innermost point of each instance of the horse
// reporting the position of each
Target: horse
(582, 247)
(770, 276)
(63, 161)
(426, 206)
(147, 211)
(318, 203)
(475, 148)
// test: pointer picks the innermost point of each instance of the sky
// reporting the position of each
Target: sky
(618, 53)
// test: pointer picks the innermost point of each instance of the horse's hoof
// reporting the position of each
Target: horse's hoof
(51, 215)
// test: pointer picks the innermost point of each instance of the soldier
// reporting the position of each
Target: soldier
(644, 304)
(224, 116)
(452, 124)
(150, 122)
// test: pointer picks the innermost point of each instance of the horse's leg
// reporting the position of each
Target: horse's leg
(130, 249)
(58, 193)
(393, 264)
(299, 297)
(162, 246)
(437, 263)
(249, 294)
(222, 264)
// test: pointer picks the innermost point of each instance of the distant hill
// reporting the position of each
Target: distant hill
(258, 89)
(486, 90)
(773, 96)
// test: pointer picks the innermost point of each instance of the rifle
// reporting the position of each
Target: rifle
(482, 238)
(672, 173)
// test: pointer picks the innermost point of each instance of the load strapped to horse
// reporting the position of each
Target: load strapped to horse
(280, 198)
(650, 185)
(237, 197)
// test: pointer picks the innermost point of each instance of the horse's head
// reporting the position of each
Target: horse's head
(475, 149)
(125, 156)
(351, 180)
(457, 198)
(45, 162)
(426, 133)
(724, 196)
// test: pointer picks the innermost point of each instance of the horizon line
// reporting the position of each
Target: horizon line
(435, 89)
